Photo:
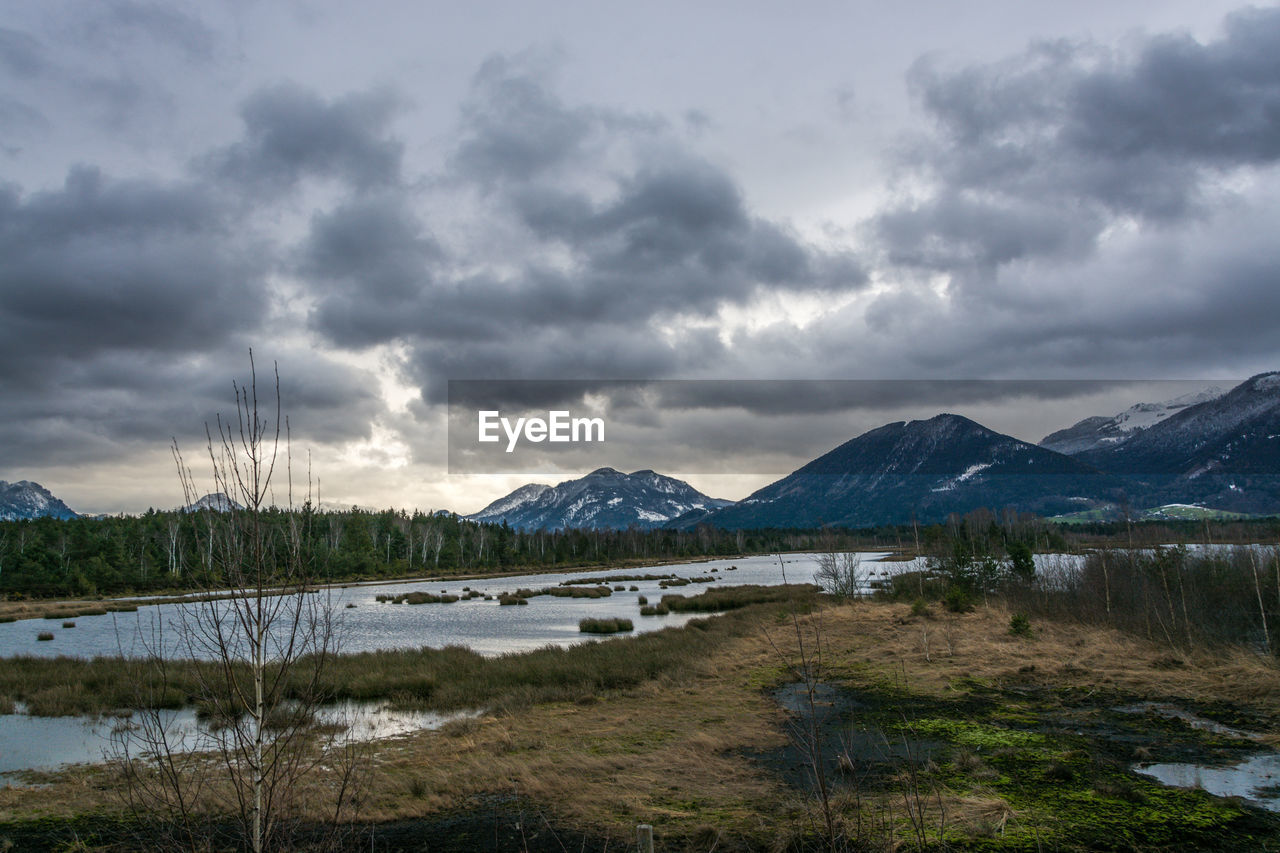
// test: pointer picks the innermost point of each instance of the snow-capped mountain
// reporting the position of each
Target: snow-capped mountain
(1099, 431)
(216, 501)
(603, 499)
(1223, 452)
(25, 499)
(504, 507)
(922, 469)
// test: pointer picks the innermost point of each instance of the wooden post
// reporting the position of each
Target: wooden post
(644, 838)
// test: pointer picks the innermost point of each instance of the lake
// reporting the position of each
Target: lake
(484, 626)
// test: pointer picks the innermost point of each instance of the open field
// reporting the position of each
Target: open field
(926, 728)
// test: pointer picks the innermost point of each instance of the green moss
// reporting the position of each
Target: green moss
(974, 735)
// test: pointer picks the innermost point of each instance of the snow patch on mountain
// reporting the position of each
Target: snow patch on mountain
(1101, 431)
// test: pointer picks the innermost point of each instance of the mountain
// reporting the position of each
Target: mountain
(1223, 452)
(604, 499)
(216, 501)
(25, 499)
(1098, 431)
(922, 469)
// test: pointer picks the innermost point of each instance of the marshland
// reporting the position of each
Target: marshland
(959, 702)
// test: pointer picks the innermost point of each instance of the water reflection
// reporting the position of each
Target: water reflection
(1256, 780)
(47, 743)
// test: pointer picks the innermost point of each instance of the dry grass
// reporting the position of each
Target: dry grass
(936, 652)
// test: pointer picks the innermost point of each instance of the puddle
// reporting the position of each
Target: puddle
(48, 743)
(1255, 780)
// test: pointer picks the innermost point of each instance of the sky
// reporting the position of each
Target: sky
(377, 199)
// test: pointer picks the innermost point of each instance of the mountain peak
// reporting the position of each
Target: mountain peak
(603, 499)
(28, 499)
(924, 469)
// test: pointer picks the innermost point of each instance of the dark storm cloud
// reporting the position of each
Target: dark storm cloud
(1035, 156)
(608, 230)
(96, 410)
(128, 305)
(103, 265)
(292, 133)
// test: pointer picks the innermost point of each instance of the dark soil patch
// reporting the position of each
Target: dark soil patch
(495, 824)
(847, 729)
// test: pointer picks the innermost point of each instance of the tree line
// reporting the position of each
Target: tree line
(171, 550)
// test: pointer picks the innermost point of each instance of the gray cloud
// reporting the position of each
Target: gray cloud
(105, 265)
(292, 133)
(1035, 156)
(123, 25)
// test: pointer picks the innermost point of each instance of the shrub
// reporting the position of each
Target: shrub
(919, 607)
(1020, 625)
(605, 626)
(44, 635)
(957, 600)
(68, 624)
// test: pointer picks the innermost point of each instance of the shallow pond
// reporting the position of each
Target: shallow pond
(47, 743)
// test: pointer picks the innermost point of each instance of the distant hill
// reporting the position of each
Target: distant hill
(25, 499)
(603, 499)
(923, 469)
(1098, 431)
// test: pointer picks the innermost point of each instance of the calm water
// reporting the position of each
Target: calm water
(46, 743)
(484, 626)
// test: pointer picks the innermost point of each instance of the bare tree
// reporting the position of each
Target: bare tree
(839, 573)
(268, 635)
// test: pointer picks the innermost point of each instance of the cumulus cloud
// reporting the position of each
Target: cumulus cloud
(1037, 155)
(621, 232)
(291, 133)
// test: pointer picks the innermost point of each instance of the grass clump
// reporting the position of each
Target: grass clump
(567, 592)
(613, 579)
(720, 599)
(419, 598)
(44, 636)
(605, 626)
(68, 624)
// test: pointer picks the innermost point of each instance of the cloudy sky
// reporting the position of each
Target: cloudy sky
(387, 196)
